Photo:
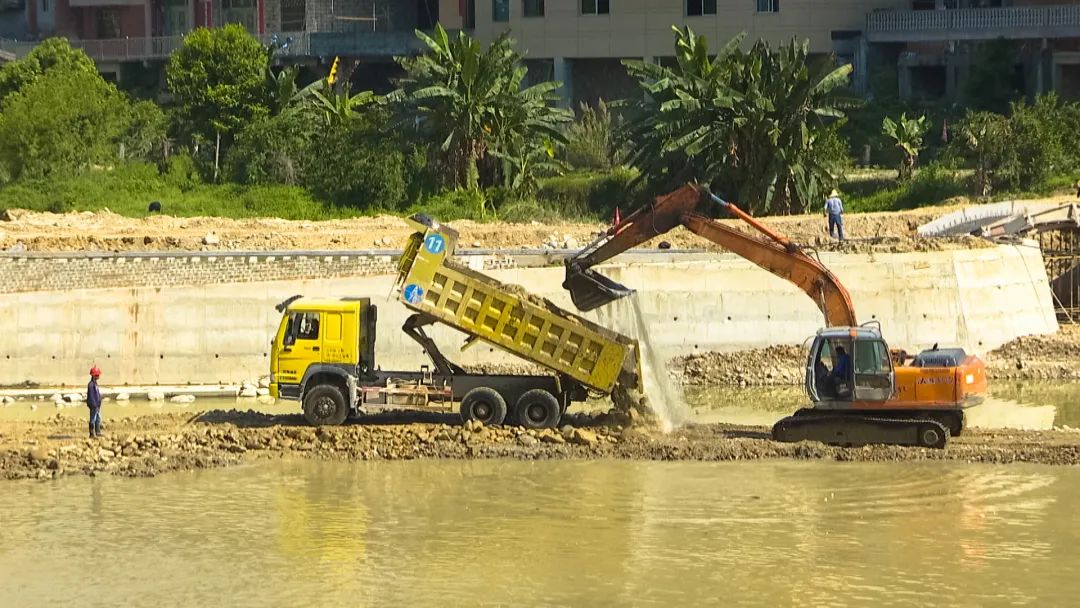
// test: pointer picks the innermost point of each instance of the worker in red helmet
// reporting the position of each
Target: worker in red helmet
(93, 401)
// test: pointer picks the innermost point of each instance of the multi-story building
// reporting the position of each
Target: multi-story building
(928, 44)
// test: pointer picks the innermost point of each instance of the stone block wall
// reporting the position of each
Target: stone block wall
(57, 272)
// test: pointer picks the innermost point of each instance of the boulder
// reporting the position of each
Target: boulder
(183, 399)
(155, 396)
(262, 392)
(248, 391)
(264, 382)
(211, 239)
(571, 243)
(74, 398)
(585, 437)
(123, 397)
(267, 400)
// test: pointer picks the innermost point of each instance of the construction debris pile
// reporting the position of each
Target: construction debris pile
(773, 365)
(1053, 357)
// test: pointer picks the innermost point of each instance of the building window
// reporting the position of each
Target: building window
(596, 7)
(533, 8)
(293, 16)
(500, 10)
(44, 6)
(697, 8)
(468, 20)
(768, 6)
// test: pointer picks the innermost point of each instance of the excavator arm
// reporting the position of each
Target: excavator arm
(768, 249)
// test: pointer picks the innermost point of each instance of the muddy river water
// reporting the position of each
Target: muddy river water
(437, 533)
(306, 532)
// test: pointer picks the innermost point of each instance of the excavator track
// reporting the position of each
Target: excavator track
(857, 430)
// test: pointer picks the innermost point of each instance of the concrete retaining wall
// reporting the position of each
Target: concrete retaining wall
(221, 333)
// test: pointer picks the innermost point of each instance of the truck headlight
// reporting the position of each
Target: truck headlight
(969, 379)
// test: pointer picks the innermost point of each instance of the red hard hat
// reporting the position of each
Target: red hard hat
(95, 371)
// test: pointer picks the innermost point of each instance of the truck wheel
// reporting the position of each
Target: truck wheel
(537, 409)
(325, 405)
(483, 404)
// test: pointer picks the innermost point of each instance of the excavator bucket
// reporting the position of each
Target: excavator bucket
(590, 289)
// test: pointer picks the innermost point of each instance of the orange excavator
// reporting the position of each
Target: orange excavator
(861, 391)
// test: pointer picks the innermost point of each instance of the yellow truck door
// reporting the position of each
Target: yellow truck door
(301, 346)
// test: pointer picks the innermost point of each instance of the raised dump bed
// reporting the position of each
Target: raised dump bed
(506, 316)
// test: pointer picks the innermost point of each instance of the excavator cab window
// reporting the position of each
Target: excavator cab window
(830, 369)
(873, 371)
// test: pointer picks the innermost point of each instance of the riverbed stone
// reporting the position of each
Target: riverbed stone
(155, 396)
(123, 397)
(264, 382)
(183, 399)
(211, 239)
(248, 391)
(528, 440)
(262, 392)
(585, 437)
(267, 400)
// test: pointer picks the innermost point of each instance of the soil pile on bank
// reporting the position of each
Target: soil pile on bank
(150, 445)
(773, 365)
(1053, 357)
(107, 231)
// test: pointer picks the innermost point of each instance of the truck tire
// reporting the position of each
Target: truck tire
(483, 404)
(325, 405)
(538, 409)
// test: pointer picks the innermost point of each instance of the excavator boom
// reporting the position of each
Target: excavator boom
(768, 249)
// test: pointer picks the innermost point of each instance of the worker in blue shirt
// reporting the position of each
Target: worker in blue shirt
(842, 370)
(93, 401)
(834, 209)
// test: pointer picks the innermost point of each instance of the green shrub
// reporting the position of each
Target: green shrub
(454, 205)
(180, 171)
(591, 195)
(591, 141)
(270, 150)
(353, 166)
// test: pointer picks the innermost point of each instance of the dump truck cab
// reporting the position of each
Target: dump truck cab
(323, 342)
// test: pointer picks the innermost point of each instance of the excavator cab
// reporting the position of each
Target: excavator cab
(849, 365)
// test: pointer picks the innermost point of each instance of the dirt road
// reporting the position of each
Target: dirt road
(149, 445)
(106, 231)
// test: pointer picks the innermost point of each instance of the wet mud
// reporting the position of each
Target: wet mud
(150, 445)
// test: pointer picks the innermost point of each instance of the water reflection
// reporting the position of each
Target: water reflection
(307, 533)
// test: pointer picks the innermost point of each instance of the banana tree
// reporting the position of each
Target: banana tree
(749, 122)
(469, 103)
(907, 134)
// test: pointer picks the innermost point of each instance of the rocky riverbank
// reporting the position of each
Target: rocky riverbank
(1053, 357)
(149, 445)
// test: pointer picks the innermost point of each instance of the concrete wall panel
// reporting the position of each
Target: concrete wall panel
(977, 299)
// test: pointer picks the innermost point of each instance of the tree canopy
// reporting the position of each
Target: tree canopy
(219, 82)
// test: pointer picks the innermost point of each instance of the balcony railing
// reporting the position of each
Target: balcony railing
(974, 24)
(156, 47)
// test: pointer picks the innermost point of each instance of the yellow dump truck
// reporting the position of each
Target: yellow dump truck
(324, 350)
